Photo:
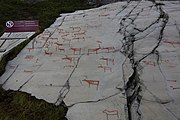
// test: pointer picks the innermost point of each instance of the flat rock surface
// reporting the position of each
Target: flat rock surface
(103, 61)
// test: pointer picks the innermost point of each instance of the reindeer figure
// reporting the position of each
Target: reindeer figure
(76, 29)
(91, 82)
(94, 50)
(59, 44)
(79, 38)
(68, 58)
(76, 50)
(105, 68)
(47, 53)
(172, 43)
(65, 35)
(111, 113)
(108, 48)
(107, 60)
(53, 39)
(71, 58)
(60, 49)
(81, 33)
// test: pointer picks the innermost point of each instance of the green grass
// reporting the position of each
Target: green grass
(21, 106)
(18, 105)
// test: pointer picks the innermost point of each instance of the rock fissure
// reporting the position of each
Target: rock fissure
(134, 87)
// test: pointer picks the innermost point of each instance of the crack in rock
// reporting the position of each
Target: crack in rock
(134, 87)
(66, 87)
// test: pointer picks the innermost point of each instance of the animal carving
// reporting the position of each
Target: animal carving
(58, 44)
(79, 38)
(108, 49)
(47, 53)
(172, 43)
(111, 113)
(76, 29)
(60, 49)
(105, 68)
(75, 50)
(80, 33)
(94, 50)
(92, 82)
(71, 59)
(107, 60)
(68, 58)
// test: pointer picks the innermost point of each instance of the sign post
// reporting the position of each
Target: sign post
(22, 26)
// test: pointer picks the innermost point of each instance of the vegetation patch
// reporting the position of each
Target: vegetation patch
(22, 106)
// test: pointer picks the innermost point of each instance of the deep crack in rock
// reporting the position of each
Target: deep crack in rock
(134, 87)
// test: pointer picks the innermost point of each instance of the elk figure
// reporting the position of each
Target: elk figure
(80, 33)
(68, 58)
(111, 113)
(91, 82)
(105, 68)
(107, 60)
(71, 58)
(76, 29)
(108, 49)
(94, 50)
(60, 49)
(47, 53)
(75, 50)
(79, 38)
(59, 44)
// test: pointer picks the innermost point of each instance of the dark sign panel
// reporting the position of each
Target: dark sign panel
(22, 26)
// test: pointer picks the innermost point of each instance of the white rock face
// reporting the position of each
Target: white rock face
(115, 62)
